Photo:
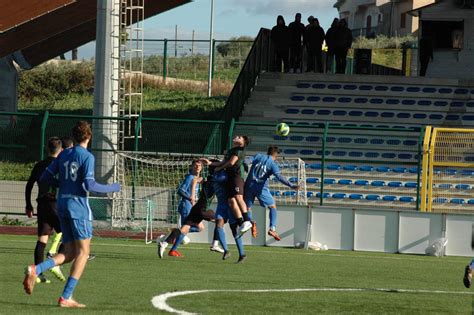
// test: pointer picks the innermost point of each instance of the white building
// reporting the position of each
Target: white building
(450, 25)
(388, 17)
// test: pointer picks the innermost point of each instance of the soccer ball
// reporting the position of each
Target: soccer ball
(282, 129)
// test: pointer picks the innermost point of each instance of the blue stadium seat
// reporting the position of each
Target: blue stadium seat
(333, 167)
(399, 169)
(410, 142)
(463, 186)
(306, 152)
(309, 194)
(339, 196)
(349, 167)
(405, 156)
(376, 101)
(381, 88)
(290, 151)
(280, 138)
(357, 196)
(312, 139)
(458, 201)
(365, 87)
(407, 199)
(344, 100)
(303, 85)
(445, 186)
(394, 142)
(325, 195)
(389, 198)
(293, 179)
(350, 87)
(424, 102)
(372, 197)
(361, 182)
(470, 201)
(394, 184)
(324, 112)
(275, 193)
(461, 91)
(312, 180)
(452, 117)
(408, 102)
(440, 103)
(383, 169)
(372, 155)
(313, 99)
(450, 172)
(361, 100)
(339, 113)
(344, 140)
(329, 181)
(436, 116)
(378, 183)
(355, 154)
(413, 89)
(334, 86)
(468, 117)
(410, 185)
(457, 104)
(355, 113)
(308, 111)
(339, 153)
(397, 88)
(413, 170)
(392, 101)
(297, 98)
(467, 172)
(366, 168)
(289, 193)
(403, 115)
(361, 140)
(292, 111)
(296, 138)
(329, 99)
(389, 155)
(345, 182)
(415, 116)
(445, 90)
(440, 200)
(319, 86)
(429, 90)
(376, 141)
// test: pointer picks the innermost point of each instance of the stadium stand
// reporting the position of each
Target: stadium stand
(373, 144)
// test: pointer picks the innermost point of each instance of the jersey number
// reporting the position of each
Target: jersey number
(71, 170)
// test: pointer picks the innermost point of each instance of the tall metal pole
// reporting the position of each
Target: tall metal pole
(211, 52)
(176, 40)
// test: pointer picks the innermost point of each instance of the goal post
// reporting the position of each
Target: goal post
(449, 177)
(149, 196)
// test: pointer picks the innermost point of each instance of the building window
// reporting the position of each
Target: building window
(444, 34)
(403, 20)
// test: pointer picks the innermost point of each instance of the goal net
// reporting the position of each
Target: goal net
(451, 170)
(150, 182)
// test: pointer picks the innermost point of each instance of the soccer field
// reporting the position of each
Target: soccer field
(127, 275)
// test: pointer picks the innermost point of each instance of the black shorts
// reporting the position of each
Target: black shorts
(235, 186)
(198, 213)
(47, 217)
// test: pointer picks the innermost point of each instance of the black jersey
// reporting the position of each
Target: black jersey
(44, 190)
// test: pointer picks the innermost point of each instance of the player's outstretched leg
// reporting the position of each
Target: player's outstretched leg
(253, 230)
(174, 250)
(215, 242)
(39, 257)
(239, 243)
(162, 244)
(221, 238)
(273, 218)
(467, 279)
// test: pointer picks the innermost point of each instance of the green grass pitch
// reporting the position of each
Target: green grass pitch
(127, 274)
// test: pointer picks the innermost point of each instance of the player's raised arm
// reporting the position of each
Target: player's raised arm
(89, 181)
(183, 190)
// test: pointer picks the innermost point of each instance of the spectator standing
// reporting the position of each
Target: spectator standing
(314, 39)
(342, 43)
(330, 39)
(280, 37)
(296, 29)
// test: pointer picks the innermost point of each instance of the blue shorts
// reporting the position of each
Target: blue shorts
(224, 212)
(184, 208)
(75, 229)
(263, 195)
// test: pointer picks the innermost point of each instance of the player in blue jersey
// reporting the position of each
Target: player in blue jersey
(224, 215)
(256, 186)
(76, 179)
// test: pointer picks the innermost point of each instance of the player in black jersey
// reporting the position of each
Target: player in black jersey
(47, 215)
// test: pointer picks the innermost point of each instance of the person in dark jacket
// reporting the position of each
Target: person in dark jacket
(330, 38)
(426, 53)
(314, 39)
(342, 43)
(280, 37)
(296, 30)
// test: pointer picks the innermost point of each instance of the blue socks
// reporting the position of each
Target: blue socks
(44, 266)
(221, 237)
(178, 241)
(240, 246)
(69, 287)
(273, 218)
(472, 264)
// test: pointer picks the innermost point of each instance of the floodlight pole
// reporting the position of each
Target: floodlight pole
(211, 52)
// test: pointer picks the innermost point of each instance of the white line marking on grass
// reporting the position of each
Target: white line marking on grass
(160, 301)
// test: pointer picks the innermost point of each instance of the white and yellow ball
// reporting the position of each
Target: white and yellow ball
(282, 129)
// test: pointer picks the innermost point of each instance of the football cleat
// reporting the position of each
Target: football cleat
(69, 303)
(274, 234)
(30, 279)
(56, 271)
(217, 249)
(42, 279)
(226, 255)
(241, 259)
(244, 228)
(254, 229)
(161, 248)
(90, 257)
(467, 276)
(174, 253)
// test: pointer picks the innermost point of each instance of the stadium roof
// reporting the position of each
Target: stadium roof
(43, 31)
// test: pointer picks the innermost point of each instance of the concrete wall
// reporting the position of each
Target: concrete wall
(361, 230)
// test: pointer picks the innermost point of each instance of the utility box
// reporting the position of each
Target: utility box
(362, 61)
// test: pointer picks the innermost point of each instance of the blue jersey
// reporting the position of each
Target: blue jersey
(185, 188)
(263, 166)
